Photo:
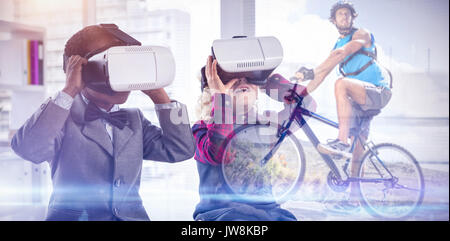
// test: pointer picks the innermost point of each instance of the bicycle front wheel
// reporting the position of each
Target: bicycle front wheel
(251, 180)
(392, 185)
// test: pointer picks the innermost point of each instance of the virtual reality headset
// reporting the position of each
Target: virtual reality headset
(127, 67)
(254, 58)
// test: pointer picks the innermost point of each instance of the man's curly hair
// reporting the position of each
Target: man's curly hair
(77, 44)
(342, 4)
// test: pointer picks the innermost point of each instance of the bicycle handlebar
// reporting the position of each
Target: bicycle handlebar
(308, 74)
(294, 96)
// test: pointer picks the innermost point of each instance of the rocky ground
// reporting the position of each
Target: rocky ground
(314, 198)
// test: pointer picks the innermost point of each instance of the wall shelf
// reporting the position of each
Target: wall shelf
(21, 88)
(25, 98)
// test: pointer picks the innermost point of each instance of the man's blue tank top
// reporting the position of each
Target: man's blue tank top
(372, 74)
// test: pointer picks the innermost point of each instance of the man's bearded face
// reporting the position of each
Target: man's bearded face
(343, 20)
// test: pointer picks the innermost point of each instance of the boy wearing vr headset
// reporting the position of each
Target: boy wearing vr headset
(94, 148)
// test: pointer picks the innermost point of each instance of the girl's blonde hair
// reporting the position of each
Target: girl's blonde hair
(204, 107)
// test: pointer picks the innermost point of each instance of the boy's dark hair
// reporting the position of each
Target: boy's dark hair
(77, 44)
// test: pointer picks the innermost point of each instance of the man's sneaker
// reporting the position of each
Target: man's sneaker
(335, 148)
(344, 206)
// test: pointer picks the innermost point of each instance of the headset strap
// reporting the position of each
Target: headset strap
(369, 54)
(373, 60)
(356, 72)
(119, 34)
(114, 31)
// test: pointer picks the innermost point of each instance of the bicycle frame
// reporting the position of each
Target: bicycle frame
(372, 155)
(298, 116)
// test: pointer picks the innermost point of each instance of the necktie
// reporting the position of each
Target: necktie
(116, 118)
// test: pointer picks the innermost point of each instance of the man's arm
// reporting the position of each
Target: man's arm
(360, 39)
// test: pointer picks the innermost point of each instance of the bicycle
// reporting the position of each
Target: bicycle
(267, 163)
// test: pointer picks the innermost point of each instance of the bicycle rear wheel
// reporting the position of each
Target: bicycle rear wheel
(392, 185)
(250, 180)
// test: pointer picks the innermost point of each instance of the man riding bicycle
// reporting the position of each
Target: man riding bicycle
(361, 87)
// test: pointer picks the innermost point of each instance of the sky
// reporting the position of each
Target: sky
(404, 29)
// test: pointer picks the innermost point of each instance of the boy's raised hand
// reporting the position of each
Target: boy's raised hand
(74, 82)
(158, 96)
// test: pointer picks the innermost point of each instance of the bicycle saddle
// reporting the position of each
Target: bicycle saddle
(371, 112)
(366, 113)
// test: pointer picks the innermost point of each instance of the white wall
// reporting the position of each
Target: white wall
(6, 10)
(237, 17)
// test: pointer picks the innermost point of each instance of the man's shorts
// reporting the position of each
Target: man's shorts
(377, 97)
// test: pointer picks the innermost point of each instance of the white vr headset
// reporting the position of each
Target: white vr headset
(129, 67)
(252, 57)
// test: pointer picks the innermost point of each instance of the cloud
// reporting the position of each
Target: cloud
(310, 38)
(307, 39)
(394, 65)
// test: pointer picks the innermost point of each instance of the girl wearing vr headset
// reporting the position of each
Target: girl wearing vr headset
(226, 103)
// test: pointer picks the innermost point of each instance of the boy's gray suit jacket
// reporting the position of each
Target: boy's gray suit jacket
(91, 174)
